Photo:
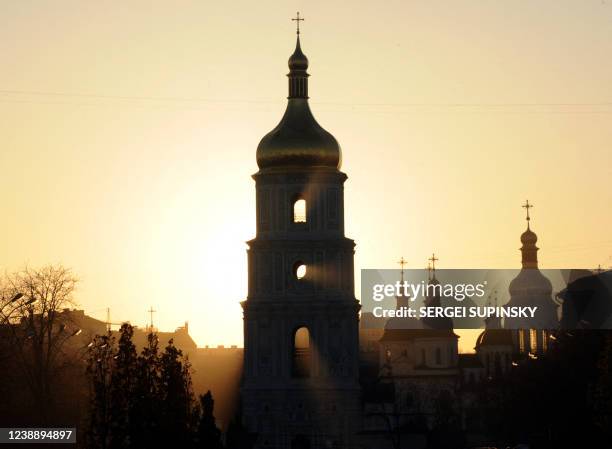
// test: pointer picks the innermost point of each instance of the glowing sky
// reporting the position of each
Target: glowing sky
(128, 134)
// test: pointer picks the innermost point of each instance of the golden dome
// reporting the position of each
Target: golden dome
(298, 140)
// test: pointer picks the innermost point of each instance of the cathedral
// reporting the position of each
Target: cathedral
(313, 377)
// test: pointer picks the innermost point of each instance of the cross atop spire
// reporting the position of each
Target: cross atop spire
(401, 263)
(298, 20)
(151, 312)
(433, 259)
(527, 206)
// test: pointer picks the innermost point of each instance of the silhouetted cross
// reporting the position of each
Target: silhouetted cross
(151, 311)
(401, 263)
(433, 259)
(298, 20)
(527, 206)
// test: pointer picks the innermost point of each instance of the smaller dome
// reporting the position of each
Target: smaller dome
(298, 60)
(530, 282)
(529, 237)
(495, 337)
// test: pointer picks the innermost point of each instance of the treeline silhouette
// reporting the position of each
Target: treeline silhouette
(146, 400)
(54, 373)
(41, 356)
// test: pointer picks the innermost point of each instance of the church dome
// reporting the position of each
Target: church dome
(530, 283)
(298, 140)
(495, 337)
(529, 237)
(298, 60)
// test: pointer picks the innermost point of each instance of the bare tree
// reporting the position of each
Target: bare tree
(36, 329)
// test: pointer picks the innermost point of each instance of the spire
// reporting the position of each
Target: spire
(433, 259)
(493, 322)
(529, 250)
(298, 63)
(298, 141)
(401, 263)
(432, 298)
(401, 299)
(527, 206)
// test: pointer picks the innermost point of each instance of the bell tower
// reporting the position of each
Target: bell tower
(300, 383)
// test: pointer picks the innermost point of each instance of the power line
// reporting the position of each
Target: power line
(127, 97)
(256, 101)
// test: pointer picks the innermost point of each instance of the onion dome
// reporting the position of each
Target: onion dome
(495, 337)
(529, 237)
(530, 283)
(298, 60)
(529, 250)
(298, 141)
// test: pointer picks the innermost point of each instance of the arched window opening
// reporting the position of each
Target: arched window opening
(301, 353)
(299, 211)
(299, 270)
(544, 341)
(533, 341)
(521, 336)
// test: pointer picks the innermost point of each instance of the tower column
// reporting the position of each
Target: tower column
(300, 385)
